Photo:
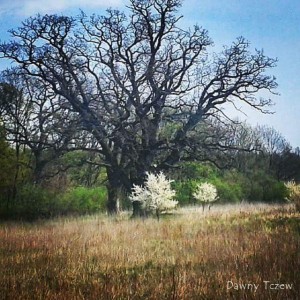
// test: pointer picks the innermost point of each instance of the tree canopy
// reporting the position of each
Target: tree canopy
(137, 83)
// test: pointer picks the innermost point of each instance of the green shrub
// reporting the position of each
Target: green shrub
(31, 202)
(254, 185)
(274, 191)
(82, 200)
(34, 202)
(228, 191)
(265, 188)
(184, 191)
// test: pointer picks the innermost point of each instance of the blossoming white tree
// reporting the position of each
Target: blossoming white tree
(156, 195)
(206, 193)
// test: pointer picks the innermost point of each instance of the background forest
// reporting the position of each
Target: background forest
(91, 104)
(42, 178)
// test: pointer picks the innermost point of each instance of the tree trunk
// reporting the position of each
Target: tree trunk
(17, 170)
(137, 210)
(114, 198)
(39, 165)
(157, 214)
(116, 191)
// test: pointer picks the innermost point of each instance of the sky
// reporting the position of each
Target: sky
(272, 25)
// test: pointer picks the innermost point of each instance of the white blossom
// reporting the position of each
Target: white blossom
(206, 193)
(156, 195)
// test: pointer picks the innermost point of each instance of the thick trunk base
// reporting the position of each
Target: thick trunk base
(113, 201)
(137, 211)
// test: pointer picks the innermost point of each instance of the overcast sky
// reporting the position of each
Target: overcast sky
(273, 25)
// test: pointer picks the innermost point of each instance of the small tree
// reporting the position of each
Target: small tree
(156, 194)
(206, 193)
(294, 193)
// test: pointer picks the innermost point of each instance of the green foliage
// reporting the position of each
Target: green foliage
(34, 202)
(14, 169)
(228, 184)
(197, 171)
(263, 187)
(184, 191)
(20, 199)
(83, 173)
(31, 202)
(7, 162)
(228, 191)
(82, 200)
(254, 185)
(274, 191)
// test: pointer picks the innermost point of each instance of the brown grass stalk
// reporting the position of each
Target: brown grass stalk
(189, 255)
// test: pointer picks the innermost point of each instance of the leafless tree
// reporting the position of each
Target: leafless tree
(272, 141)
(128, 76)
(276, 150)
(33, 120)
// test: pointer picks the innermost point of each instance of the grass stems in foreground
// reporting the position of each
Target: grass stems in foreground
(186, 256)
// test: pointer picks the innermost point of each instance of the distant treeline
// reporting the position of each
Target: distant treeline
(76, 181)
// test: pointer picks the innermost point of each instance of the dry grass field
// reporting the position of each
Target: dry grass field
(236, 252)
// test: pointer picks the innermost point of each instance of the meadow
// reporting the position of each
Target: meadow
(229, 252)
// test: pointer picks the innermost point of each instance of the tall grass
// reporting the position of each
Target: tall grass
(187, 256)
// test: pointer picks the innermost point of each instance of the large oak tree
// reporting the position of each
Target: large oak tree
(129, 77)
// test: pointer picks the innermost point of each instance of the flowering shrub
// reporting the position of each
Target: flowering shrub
(156, 195)
(206, 193)
(294, 193)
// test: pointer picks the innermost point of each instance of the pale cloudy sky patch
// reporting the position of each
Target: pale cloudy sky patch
(30, 7)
